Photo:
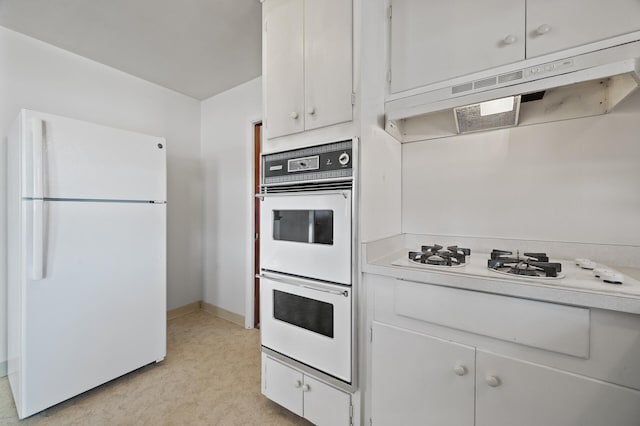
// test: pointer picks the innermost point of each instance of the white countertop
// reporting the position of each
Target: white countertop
(578, 287)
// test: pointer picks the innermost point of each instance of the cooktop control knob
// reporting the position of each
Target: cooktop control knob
(344, 158)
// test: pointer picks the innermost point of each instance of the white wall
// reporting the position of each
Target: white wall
(571, 181)
(39, 76)
(380, 154)
(227, 153)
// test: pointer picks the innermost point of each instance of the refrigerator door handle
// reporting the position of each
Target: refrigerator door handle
(37, 255)
(37, 140)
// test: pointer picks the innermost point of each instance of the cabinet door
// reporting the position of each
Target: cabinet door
(282, 384)
(554, 25)
(328, 62)
(436, 40)
(421, 380)
(512, 392)
(283, 67)
(325, 405)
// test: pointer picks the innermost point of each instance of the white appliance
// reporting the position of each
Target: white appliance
(539, 90)
(308, 321)
(308, 234)
(87, 256)
(306, 259)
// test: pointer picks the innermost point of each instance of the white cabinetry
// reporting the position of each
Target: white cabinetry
(307, 65)
(435, 363)
(556, 25)
(312, 399)
(283, 66)
(511, 392)
(421, 380)
(436, 40)
(432, 41)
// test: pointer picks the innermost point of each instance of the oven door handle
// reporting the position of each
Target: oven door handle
(303, 284)
(295, 194)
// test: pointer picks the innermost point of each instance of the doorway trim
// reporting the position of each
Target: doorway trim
(249, 319)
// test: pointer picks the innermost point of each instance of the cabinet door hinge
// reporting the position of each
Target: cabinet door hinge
(266, 23)
(353, 98)
(390, 13)
(389, 76)
(370, 422)
(370, 334)
(351, 415)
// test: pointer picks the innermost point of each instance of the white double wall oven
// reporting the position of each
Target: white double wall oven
(307, 241)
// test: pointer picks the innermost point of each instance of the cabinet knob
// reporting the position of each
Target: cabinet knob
(306, 388)
(297, 384)
(510, 39)
(311, 110)
(543, 29)
(460, 370)
(293, 115)
(493, 381)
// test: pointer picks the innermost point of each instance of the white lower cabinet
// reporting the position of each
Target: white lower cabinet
(514, 392)
(420, 380)
(310, 398)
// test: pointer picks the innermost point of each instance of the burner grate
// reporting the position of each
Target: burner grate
(437, 255)
(535, 265)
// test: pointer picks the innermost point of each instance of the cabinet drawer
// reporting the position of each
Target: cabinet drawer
(549, 326)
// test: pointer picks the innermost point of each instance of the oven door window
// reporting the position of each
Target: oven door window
(303, 226)
(310, 314)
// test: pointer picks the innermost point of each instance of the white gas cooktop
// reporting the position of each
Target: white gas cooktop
(572, 276)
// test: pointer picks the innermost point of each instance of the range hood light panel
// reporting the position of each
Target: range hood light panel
(495, 114)
(496, 106)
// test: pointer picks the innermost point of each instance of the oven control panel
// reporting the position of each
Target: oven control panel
(329, 161)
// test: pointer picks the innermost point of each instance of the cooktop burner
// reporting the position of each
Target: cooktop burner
(532, 265)
(436, 255)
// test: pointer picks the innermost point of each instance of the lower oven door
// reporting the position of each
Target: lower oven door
(307, 321)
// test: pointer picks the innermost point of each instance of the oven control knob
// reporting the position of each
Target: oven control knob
(344, 158)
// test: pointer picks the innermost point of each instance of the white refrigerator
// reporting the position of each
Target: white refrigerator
(87, 256)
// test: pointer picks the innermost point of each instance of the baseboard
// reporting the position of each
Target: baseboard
(3, 368)
(184, 310)
(223, 313)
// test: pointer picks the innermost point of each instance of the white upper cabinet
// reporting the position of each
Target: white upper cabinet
(308, 65)
(284, 67)
(328, 65)
(435, 40)
(554, 25)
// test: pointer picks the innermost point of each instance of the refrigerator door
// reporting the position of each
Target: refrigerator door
(99, 309)
(72, 159)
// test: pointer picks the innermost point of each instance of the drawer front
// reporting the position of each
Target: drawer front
(553, 327)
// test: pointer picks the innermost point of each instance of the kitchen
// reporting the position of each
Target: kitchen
(586, 169)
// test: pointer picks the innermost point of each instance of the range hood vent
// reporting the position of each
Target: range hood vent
(579, 86)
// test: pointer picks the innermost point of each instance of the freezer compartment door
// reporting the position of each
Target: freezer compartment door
(97, 308)
(72, 159)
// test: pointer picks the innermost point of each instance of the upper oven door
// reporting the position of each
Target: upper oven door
(307, 234)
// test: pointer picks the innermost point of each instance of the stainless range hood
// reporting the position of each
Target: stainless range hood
(531, 92)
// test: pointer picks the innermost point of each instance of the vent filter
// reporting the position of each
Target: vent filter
(495, 114)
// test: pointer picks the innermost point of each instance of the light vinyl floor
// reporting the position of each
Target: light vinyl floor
(211, 376)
